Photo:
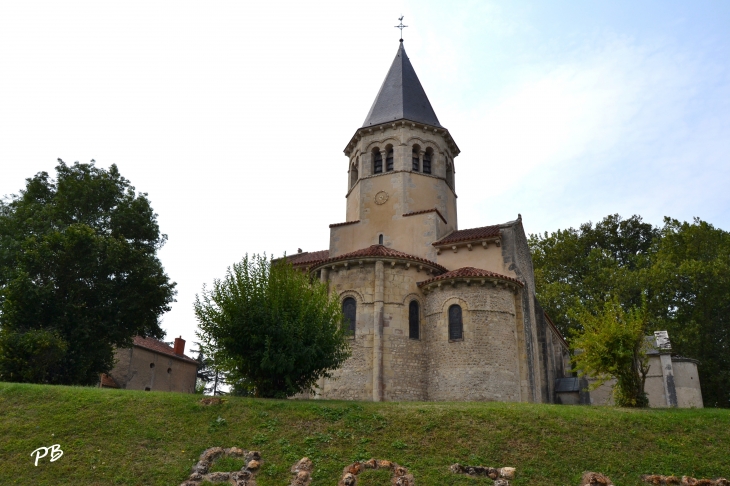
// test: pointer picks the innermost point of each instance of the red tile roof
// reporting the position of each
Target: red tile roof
(153, 344)
(469, 272)
(308, 257)
(108, 382)
(432, 210)
(470, 234)
(381, 251)
(334, 225)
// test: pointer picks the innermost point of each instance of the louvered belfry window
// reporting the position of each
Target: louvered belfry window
(349, 308)
(389, 161)
(414, 317)
(378, 164)
(416, 162)
(456, 327)
(427, 163)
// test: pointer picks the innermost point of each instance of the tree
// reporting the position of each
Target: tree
(271, 328)
(209, 378)
(612, 345)
(582, 269)
(691, 280)
(79, 275)
(681, 272)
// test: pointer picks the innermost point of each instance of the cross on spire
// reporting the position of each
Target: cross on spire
(401, 27)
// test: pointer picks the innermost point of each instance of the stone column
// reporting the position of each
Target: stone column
(420, 161)
(378, 332)
(665, 358)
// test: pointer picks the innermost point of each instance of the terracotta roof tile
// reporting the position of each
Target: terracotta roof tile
(423, 211)
(466, 272)
(308, 257)
(381, 251)
(158, 346)
(108, 382)
(334, 225)
(470, 234)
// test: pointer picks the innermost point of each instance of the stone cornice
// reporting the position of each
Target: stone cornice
(381, 128)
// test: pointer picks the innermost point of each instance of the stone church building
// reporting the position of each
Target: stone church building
(436, 312)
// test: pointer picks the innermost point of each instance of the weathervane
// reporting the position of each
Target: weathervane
(401, 27)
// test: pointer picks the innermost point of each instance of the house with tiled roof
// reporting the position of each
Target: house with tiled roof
(436, 312)
(152, 365)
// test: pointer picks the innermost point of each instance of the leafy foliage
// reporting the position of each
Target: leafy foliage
(681, 271)
(691, 287)
(612, 346)
(78, 275)
(275, 332)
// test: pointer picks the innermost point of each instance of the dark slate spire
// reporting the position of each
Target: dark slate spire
(401, 96)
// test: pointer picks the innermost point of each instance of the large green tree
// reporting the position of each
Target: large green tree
(691, 287)
(79, 275)
(273, 330)
(680, 272)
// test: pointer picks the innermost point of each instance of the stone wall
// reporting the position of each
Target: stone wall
(484, 365)
(141, 369)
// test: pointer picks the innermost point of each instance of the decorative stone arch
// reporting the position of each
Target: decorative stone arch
(424, 142)
(443, 320)
(354, 171)
(357, 297)
(414, 297)
(380, 144)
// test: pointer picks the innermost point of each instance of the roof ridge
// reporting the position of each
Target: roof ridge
(380, 251)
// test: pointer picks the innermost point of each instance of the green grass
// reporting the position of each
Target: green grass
(141, 438)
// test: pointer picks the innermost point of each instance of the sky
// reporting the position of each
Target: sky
(233, 116)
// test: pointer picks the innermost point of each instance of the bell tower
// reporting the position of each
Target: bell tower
(400, 187)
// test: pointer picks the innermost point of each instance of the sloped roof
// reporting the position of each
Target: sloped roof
(401, 96)
(108, 382)
(308, 257)
(381, 251)
(466, 272)
(470, 234)
(153, 344)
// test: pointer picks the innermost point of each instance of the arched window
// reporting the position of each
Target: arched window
(380, 240)
(414, 320)
(427, 162)
(353, 174)
(349, 308)
(389, 160)
(416, 162)
(456, 327)
(377, 162)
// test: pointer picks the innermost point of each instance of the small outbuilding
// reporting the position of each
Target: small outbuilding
(152, 365)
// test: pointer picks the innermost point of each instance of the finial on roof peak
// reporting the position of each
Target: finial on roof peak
(401, 27)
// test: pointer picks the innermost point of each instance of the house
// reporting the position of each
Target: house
(152, 365)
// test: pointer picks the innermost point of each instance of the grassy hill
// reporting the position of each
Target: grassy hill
(127, 437)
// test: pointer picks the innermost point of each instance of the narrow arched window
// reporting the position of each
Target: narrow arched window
(389, 160)
(414, 320)
(456, 327)
(377, 162)
(349, 308)
(427, 162)
(353, 175)
(380, 240)
(416, 162)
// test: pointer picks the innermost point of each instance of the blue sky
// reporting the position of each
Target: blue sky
(233, 116)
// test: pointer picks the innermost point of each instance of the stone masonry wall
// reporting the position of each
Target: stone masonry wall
(485, 364)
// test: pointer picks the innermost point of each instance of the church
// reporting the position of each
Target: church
(436, 312)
